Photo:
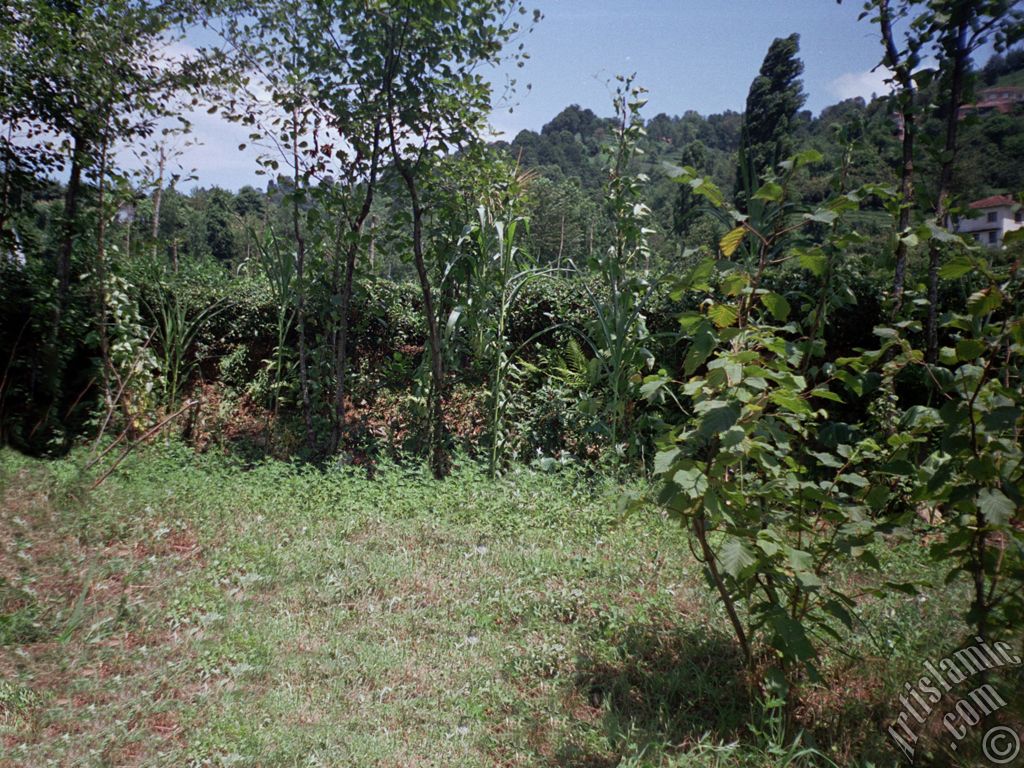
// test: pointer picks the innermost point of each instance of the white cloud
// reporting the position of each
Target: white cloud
(863, 84)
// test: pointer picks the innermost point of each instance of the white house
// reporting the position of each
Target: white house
(996, 216)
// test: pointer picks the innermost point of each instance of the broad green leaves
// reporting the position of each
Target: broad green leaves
(775, 490)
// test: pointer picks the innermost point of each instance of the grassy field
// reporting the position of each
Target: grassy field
(192, 612)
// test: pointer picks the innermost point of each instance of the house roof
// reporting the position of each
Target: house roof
(993, 202)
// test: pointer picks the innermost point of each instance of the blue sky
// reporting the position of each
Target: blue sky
(689, 54)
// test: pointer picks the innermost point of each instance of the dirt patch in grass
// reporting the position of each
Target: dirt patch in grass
(99, 659)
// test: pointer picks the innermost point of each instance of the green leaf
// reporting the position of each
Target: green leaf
(826, 394)
(651, 386)
(663, 460)
(734, 283)
(1013, 236)
(732, 437)
(692, 482)
(718, 420)
(769, 191)
(790, 401)
(822, 215)
(827, 460)
(699, 351)
(813, 260)
(969, 349)
(735, 555)
(921, 416)
(790, 636)
(723, 315)
(984, 301)
(858, 480)
(731, 241)
(699, 276)
(767, 545)
(1002, 418)
(835, 608)
(776, 304)
(958, 266)
(995, 506)
(799, 560)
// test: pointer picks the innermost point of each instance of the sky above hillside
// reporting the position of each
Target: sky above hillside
(690, 54)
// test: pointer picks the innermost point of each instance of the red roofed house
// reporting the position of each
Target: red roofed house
(997, 215)
(1000, 99)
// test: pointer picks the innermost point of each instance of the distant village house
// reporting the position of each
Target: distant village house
(1002, 99)
(996, 216)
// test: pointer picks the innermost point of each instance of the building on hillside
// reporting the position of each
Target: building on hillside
(1002, 99)
(997, 215)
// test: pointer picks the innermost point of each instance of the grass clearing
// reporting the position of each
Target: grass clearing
(193, 612)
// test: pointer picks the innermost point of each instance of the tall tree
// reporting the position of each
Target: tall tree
(775, 97)
(958, 29)
(92, 74)
(361, 82)
(435, 102)
(901, 59)
(313, 59)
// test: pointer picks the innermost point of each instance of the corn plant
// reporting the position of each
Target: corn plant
(279, 269)
(502, 271)
(177, 324)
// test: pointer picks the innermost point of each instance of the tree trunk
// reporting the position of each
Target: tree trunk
(157, 198)
(5, 197)
(345, 299)
(440, 463)
(906, 203)
(341, 350)
(908, 128)
(960, 54)
(711, 562)
(100, 278)
(300, 295)
(52, 364)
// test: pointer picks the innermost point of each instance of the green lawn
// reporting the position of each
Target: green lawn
(191, 612)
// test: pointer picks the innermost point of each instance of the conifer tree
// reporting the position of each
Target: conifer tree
(775, 97)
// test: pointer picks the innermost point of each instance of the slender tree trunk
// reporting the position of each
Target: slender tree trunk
(52, 364)
(440, 463)
(908, 128)
(101, 273)
(300, 295)
(341, 350)
(711, 561)
(5, 197)
(345, 299)
(372, 254)
(906, 204)
(960, 56)
(158, 195)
